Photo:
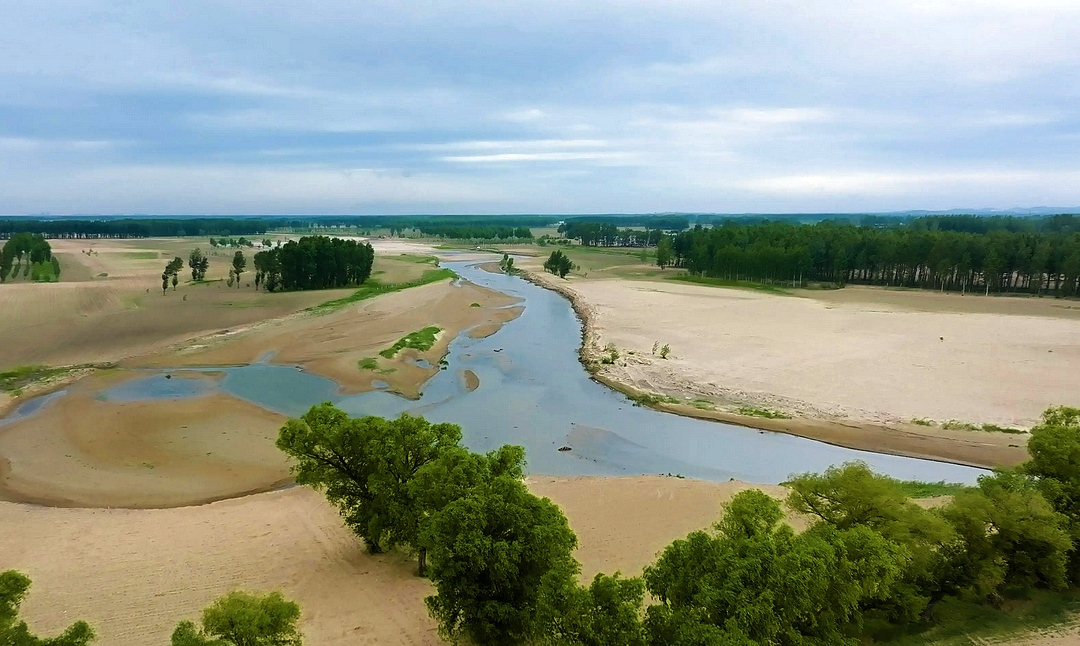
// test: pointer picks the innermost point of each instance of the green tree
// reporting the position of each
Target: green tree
(755, 579)
(851, 496)
(1009, 536)
(608, 611)
(238, 265)
(366, 467)
(13, 589)
(664, 252)
(198, 263)
(558, 263)
(242, 619)
(491, 551)
(1055, 461)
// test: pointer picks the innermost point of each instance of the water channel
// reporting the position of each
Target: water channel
(534, 392)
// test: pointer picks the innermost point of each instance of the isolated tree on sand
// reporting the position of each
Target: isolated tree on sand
(365, 466)
(13, 589)
(198, 263)
(238, 265)
(558, 263)
(242, 619)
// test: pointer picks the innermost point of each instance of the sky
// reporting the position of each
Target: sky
(350, 107)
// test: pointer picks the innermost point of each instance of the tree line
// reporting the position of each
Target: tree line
(313, 262)
(871, 565)
(71, 227)
(606, 234)
(472, 232)
(31, 255)
(930, 253)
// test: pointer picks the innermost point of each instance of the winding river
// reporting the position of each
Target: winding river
(534, 392)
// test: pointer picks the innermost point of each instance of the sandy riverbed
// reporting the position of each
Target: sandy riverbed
(135, 573)
(853, 367)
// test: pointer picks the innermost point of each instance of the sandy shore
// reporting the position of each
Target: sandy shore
(135, 573)
(851, 368)
(81, 451)
(332, 345)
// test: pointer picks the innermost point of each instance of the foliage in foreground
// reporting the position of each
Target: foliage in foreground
(13, 632)
(871, 566)
(242, 619)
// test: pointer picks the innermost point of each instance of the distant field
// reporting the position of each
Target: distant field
(109, 303)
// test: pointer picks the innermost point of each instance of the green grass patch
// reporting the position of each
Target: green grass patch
(919, 489)
(474, 304)
(703, 404)
(956, 622)
(373, 288)
(733, 284)
(651, 399)
(420, 340)
(767, 413)
(139, 255)
(372, 364)
(18, 378)
(954, 425)
(920, 421)
(418, 258)
(243, 304)
(994, 428)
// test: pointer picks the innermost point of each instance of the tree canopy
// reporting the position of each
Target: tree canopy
(314, 262)
(13, 632)
(243, 619)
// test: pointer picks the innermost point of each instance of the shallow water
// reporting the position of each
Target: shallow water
(534, 392)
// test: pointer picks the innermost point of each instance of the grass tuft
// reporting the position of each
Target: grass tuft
(372, 288)
(767, 413)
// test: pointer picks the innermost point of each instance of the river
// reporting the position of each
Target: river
(534, 392)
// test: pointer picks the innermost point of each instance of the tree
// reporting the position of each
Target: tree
(1008, 536)
(1055, 462)
(13, 589)
(756, 581)
(365, 467)
(238, 264)
(491, 552)
(608, 611)
(242, 619)
(558, 263)
(664, 252)
(852, 495)
(198, 263)
(452, 475)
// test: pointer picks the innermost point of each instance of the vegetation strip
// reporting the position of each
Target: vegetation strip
(372, 288)
(420, 340)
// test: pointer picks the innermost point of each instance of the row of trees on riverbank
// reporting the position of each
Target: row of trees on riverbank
(871, 564)
(999, 260)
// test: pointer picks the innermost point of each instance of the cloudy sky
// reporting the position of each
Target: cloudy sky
(515, 107)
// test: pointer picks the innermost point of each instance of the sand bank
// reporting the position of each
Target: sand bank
(333, 345)
(134, 574)
(852, 370)
(84, 452)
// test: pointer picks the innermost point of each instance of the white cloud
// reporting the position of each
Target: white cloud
(542, 157)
